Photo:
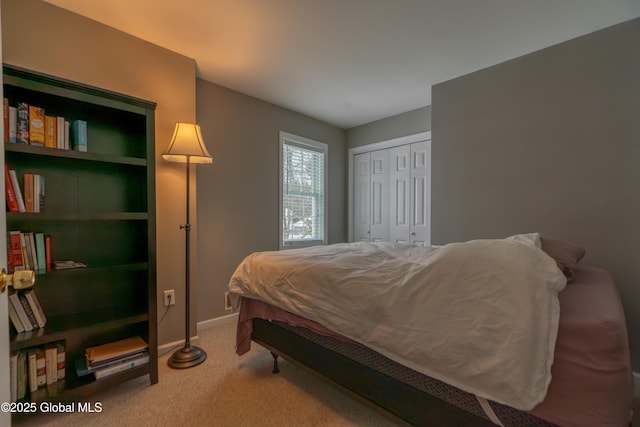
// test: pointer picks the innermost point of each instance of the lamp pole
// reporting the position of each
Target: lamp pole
(188, 356)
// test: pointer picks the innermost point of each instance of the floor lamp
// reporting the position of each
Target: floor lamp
(187, 146)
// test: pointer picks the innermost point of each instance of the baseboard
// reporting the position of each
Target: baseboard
(636, 384)
(206, 324)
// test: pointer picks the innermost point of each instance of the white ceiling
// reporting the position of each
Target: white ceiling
(349, 62)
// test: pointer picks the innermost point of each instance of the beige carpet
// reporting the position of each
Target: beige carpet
(226, 390)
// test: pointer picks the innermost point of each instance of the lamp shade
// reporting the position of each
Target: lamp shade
(186, 143)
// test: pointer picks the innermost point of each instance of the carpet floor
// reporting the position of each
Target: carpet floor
(225, 390)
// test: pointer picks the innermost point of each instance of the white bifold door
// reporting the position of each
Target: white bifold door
(392, 194)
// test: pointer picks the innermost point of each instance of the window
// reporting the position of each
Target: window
(303, 191)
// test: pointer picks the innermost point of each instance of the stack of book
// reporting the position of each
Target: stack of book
(113, 357)
(25, 311)
(35, 368)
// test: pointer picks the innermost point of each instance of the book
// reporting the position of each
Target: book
(13, 376)
(65, 265)
(41, 252)
(66, 134)
(27, 180)
(28, 310)
(23, 123)
(51, 363)
(16, 250)
(115, 349)
(31, 250)
(31, 297)
(13, 125)
(41, 193)
(121, 366)
(16, 189)
(21, 376)
(36, 126)
(5, 115)
(41, 367)
(47, 248)
(33, 370)
(60, 132)
(10, 268)
(14, 300)
(25, 253)
(79, 135)
(12, 202)
(15, 320)
(36, 193)
(62, 360)
(50, 131)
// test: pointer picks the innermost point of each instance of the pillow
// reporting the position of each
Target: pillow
(565, 254)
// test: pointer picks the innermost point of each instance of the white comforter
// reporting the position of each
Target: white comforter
(480, 315)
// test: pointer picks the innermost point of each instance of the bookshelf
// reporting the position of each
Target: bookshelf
(99, 209)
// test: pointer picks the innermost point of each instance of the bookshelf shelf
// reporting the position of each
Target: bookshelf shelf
(99, 209)
(76, 155)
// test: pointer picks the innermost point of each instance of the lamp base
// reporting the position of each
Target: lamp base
(187, 357)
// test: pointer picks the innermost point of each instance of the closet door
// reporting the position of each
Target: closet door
(400, 196)
(361, 202)
(420, 213)
(379, 218)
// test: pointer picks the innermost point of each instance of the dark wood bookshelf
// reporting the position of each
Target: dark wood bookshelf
(99, 210)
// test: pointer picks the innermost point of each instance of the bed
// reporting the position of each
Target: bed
(571, 366)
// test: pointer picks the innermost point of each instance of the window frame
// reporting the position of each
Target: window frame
(322, 148)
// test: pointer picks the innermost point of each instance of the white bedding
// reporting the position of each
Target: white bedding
(480, 315)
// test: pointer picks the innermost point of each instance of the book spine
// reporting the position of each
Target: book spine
(32, 298)
(28, 191)
(22, 376)
(47, 244)
(32, 250)
(36, 126)
(66, 134)
(51, 364)
(28, 310)
(41, 193)
(41, 367)
(15, 320)
(33, 370)
(60, 132)
(12, 202)
(5, 116)
(16, 189)
(79, 135)
(41, 252)
(13, 125)
(23, 123)
(16, 250)
(62, 361)
(13, 375)
(10, 266)
(25, 252)
(36, 192)
(51, 131)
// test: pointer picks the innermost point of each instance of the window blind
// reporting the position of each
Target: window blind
(303, 193)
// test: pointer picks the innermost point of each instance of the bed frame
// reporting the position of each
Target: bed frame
(392, 398)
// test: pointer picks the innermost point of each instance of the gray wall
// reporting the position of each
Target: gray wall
(548, 142)
(408, 123)
(237, 203)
